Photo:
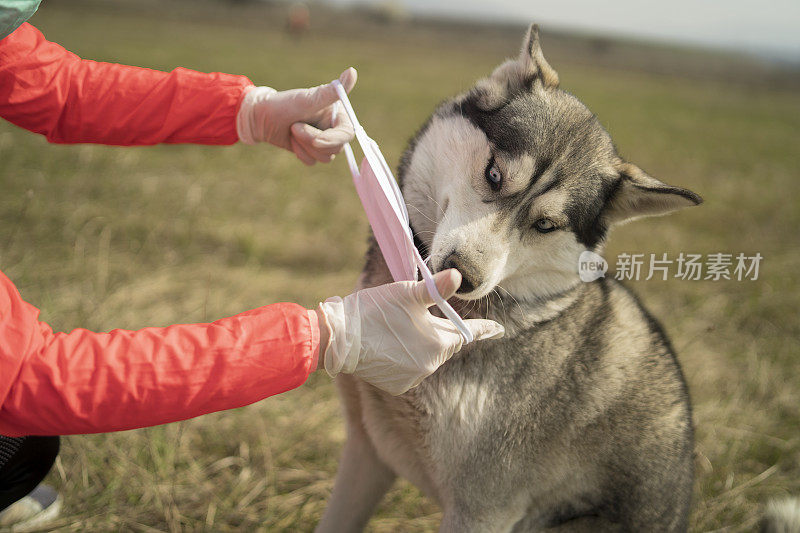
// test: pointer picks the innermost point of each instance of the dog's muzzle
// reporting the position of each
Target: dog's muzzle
(470, 277)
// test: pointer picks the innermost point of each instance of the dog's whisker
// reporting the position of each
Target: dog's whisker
(421, 213)
(435, 202)
(500, 299)
(512, 297)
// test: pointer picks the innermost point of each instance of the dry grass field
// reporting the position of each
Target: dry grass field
(104, 238)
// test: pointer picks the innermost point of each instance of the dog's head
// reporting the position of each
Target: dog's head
(511, 181)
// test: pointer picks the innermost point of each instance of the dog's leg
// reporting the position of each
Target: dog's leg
(586, 524)
(362, 478)
(361, 482)
(459, 520)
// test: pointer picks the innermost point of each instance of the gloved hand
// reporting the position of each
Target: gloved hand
(298, 120)
(386, 336)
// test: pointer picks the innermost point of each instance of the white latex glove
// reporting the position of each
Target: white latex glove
(298, 120)
(386, 336)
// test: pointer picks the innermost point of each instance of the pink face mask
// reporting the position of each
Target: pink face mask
(387, 214)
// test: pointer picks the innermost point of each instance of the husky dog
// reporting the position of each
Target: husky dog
(579, 418)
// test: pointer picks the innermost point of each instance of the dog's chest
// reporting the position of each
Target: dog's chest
(442, 428)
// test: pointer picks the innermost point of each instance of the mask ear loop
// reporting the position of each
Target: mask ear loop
(370, 148)
(440, 302)
(348, 150)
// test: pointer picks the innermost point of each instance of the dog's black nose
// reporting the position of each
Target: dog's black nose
(466, 285)
(456, 261)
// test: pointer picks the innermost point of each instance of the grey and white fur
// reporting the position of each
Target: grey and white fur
(579, 418)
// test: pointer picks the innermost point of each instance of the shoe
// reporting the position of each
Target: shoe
(37, 509)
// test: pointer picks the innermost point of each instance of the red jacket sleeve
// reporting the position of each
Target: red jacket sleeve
(84, 382)
(48, 90)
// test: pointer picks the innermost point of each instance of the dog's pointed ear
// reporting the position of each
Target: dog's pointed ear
(640, 195)
(516, 76)
(533, 61)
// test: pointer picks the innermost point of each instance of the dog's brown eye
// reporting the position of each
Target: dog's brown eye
(544, 225)
(493, 175)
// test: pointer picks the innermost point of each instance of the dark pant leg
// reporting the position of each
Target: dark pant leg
(24, 462)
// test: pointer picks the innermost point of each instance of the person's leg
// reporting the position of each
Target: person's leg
(24, 462)
(27, 462)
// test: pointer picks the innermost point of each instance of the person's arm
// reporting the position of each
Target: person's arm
(49, 90)
(85, 382)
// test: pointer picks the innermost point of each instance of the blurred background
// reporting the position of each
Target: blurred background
(699, 94)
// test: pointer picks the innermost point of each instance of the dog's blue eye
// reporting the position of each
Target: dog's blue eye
(544, 225)
(493, 175)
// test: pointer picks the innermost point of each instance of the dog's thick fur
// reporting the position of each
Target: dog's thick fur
(579, 418)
